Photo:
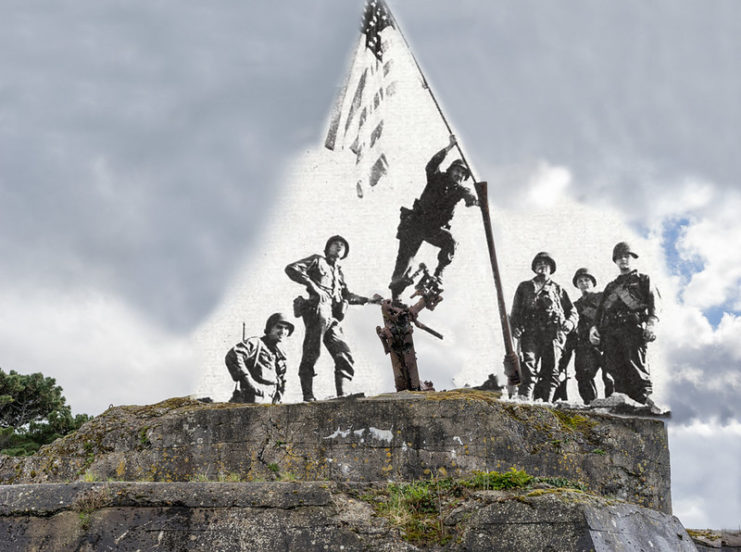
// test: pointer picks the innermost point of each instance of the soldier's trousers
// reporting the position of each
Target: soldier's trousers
(411, 240)
(321, 327)
(625, 360)
(587, 361)
(544, 352)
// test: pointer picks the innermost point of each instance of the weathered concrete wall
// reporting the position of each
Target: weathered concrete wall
(392, 437)
(308, 516)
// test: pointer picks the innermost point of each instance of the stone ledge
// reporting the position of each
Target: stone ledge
(289, 516)
(393, 437)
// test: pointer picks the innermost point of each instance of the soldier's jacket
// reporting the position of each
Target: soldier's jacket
(628, 301)
(260, 363)
(586, 306)
(328, 277)
(434, 208)
(542, 310)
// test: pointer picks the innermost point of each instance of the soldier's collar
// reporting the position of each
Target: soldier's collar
(628, 274)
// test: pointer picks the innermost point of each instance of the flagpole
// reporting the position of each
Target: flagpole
(429, 89)
(511, 359)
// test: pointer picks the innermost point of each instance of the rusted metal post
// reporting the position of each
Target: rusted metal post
(511, 358)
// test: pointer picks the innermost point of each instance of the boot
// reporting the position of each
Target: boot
(438, 276)
(339, 383)
(307, 384)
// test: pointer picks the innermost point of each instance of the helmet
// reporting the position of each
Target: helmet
(278, 318)
(622, 248)
(461, 165)
(583, 272)
(339, 239)
(546, 257)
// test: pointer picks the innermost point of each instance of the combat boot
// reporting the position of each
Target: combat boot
(339, 384)
(307, 385)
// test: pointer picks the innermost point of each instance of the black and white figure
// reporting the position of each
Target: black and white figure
(625, 324)
(429, 218)
(587, 357)
(323, 313)
(258, 364)
(542, 315)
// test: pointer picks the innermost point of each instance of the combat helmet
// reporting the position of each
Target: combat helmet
(278, 318)
(461, 165)
(339, 239)
(622, 248)
(583, 272)
(545, 256)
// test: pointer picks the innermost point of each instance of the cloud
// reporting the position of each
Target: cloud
(705, 475)
(713, 236)
(98, 349)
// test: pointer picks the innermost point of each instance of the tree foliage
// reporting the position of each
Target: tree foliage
(33, 412)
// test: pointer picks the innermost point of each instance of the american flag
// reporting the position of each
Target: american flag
(375, 19)
(357, 123)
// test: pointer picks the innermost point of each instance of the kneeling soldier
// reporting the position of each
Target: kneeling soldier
(258, 364)
(542, 315)
(625, 323)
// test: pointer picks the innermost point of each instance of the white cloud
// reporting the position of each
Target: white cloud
(705, 476)
(713, 237)
(98, 349)
(547, 185)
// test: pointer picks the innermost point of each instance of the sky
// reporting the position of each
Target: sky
(144, 148)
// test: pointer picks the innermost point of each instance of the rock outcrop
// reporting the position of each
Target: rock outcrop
(184, 474)
(398, 437)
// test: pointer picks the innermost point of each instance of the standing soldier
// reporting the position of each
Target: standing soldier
(258, 364)
(323, 312)
(625, 323)
(588, 358)
(542, 315)
(429, 218)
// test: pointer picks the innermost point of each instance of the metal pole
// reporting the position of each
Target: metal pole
(511, 358)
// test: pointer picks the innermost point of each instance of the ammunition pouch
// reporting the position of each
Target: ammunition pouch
(624, 318)
(339, 308)
(300, 304)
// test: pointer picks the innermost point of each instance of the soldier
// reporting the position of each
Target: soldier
(542, 315)
(323, 312)
(588, 358)
(258, 364)
(624, 325)
(429, 219)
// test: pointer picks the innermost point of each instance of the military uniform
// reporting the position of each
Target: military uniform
(259, 367)
(322, 318)
(539, 311)
(429, 220)
(587, 357)
(628, 304)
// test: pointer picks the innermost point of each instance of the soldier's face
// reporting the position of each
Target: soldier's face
(279, 332)
(457, 174)
(624, 262)
(584, 283)
(336, 250)
(542, 268)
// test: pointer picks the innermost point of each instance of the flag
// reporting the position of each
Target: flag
(357, 124)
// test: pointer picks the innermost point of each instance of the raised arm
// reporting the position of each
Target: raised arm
(433, 165)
